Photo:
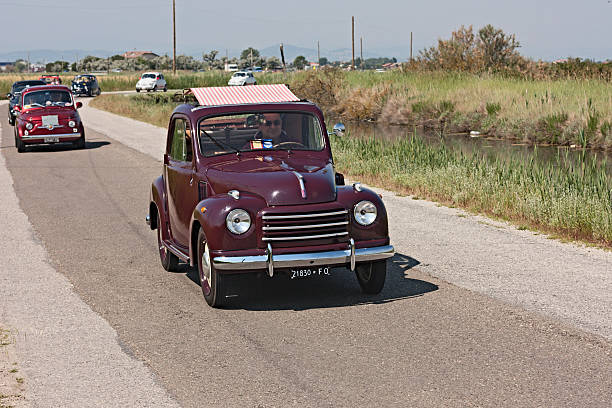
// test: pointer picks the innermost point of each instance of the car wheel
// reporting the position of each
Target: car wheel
(137, 90)
(211, 281)
(168, 260)
(11, 120)
(19, 143)
(371, 276)
(165, 88)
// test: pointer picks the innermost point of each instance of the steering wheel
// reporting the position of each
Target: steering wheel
(295, 144)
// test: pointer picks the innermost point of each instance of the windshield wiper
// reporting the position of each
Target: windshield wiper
(221, 144)
(35, 104)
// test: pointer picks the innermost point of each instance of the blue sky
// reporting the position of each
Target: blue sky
(546, 29)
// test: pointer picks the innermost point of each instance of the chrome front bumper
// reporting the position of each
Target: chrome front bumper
(269, 261)
(60, 136)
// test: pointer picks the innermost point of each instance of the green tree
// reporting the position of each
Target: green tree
(246, 54)
(497, 48)
(209, 58)
(323, 61)
(300, 62)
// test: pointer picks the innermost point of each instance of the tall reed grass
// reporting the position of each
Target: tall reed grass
(565, 197)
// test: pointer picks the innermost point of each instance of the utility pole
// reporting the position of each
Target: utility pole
(353, 42)
(411, 46)
(174, 36)
(361, 51)
(251, 55)
(318, 53)
(29, 67)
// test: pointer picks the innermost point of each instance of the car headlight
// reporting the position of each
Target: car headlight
(238, 221)
(71, 123)
(365, 213)
(29, 126)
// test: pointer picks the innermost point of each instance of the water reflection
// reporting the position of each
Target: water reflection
(491, 148)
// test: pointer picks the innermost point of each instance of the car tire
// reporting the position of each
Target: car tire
(165, 88)
(371, 276)
(19, 144)
(168, 260)
(211, 281)
(80, 143)
(137, 90)
(11, 120)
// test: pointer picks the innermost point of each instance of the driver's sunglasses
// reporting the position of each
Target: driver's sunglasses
(276, 122)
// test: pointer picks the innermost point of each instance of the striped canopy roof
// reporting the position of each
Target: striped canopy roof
(235, 95)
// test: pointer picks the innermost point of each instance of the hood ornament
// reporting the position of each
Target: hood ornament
(301, 181)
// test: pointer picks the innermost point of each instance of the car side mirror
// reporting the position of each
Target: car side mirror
(9, 95)
(17, 108)
(340, 179)
(79, 105)
(339, 129)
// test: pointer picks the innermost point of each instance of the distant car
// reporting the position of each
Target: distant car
(15, 93)
(86, 84)
(242, 78)
(151, 81)
(51, 79)
(47, 114)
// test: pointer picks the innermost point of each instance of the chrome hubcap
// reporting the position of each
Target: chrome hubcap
(205, 264)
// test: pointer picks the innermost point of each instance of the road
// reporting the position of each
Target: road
(463, 320)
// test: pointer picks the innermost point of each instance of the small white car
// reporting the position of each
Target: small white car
(242, 78)
(151, 81)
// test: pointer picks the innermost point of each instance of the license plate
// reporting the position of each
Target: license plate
(309, 272)
(52, 139)
(50, 120)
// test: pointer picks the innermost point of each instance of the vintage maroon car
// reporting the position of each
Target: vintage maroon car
(249, 185)
(48, 114)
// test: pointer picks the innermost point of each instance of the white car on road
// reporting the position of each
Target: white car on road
(151, 81)
(241, 78)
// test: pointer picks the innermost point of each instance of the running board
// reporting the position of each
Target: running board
(172, 248)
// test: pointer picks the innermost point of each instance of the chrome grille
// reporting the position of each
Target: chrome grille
(301, 228)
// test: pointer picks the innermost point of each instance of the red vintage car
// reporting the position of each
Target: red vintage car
(51, 79)
(249, 186)
(47, 114)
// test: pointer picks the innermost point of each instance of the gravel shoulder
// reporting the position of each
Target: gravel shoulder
(69, 355)
(566, 281)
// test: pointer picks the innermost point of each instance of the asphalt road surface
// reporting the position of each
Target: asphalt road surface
(312, 343)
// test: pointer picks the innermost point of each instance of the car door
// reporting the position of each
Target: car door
(181, 185)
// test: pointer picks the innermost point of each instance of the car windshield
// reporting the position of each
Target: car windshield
(144, 76)
(82, 78)
(260, 131)
(54, 97)
(239, 74)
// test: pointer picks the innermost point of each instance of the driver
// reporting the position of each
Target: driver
(270, 127)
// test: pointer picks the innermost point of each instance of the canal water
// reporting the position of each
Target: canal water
(491, 148)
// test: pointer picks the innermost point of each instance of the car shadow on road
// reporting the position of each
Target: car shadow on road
(64, 147)
(259, 293)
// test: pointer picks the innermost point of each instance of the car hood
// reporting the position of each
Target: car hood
(277, 180)
(35, 115)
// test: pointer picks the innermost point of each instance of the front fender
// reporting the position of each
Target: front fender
(349, 197)
(210, 215)
(157, 205)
